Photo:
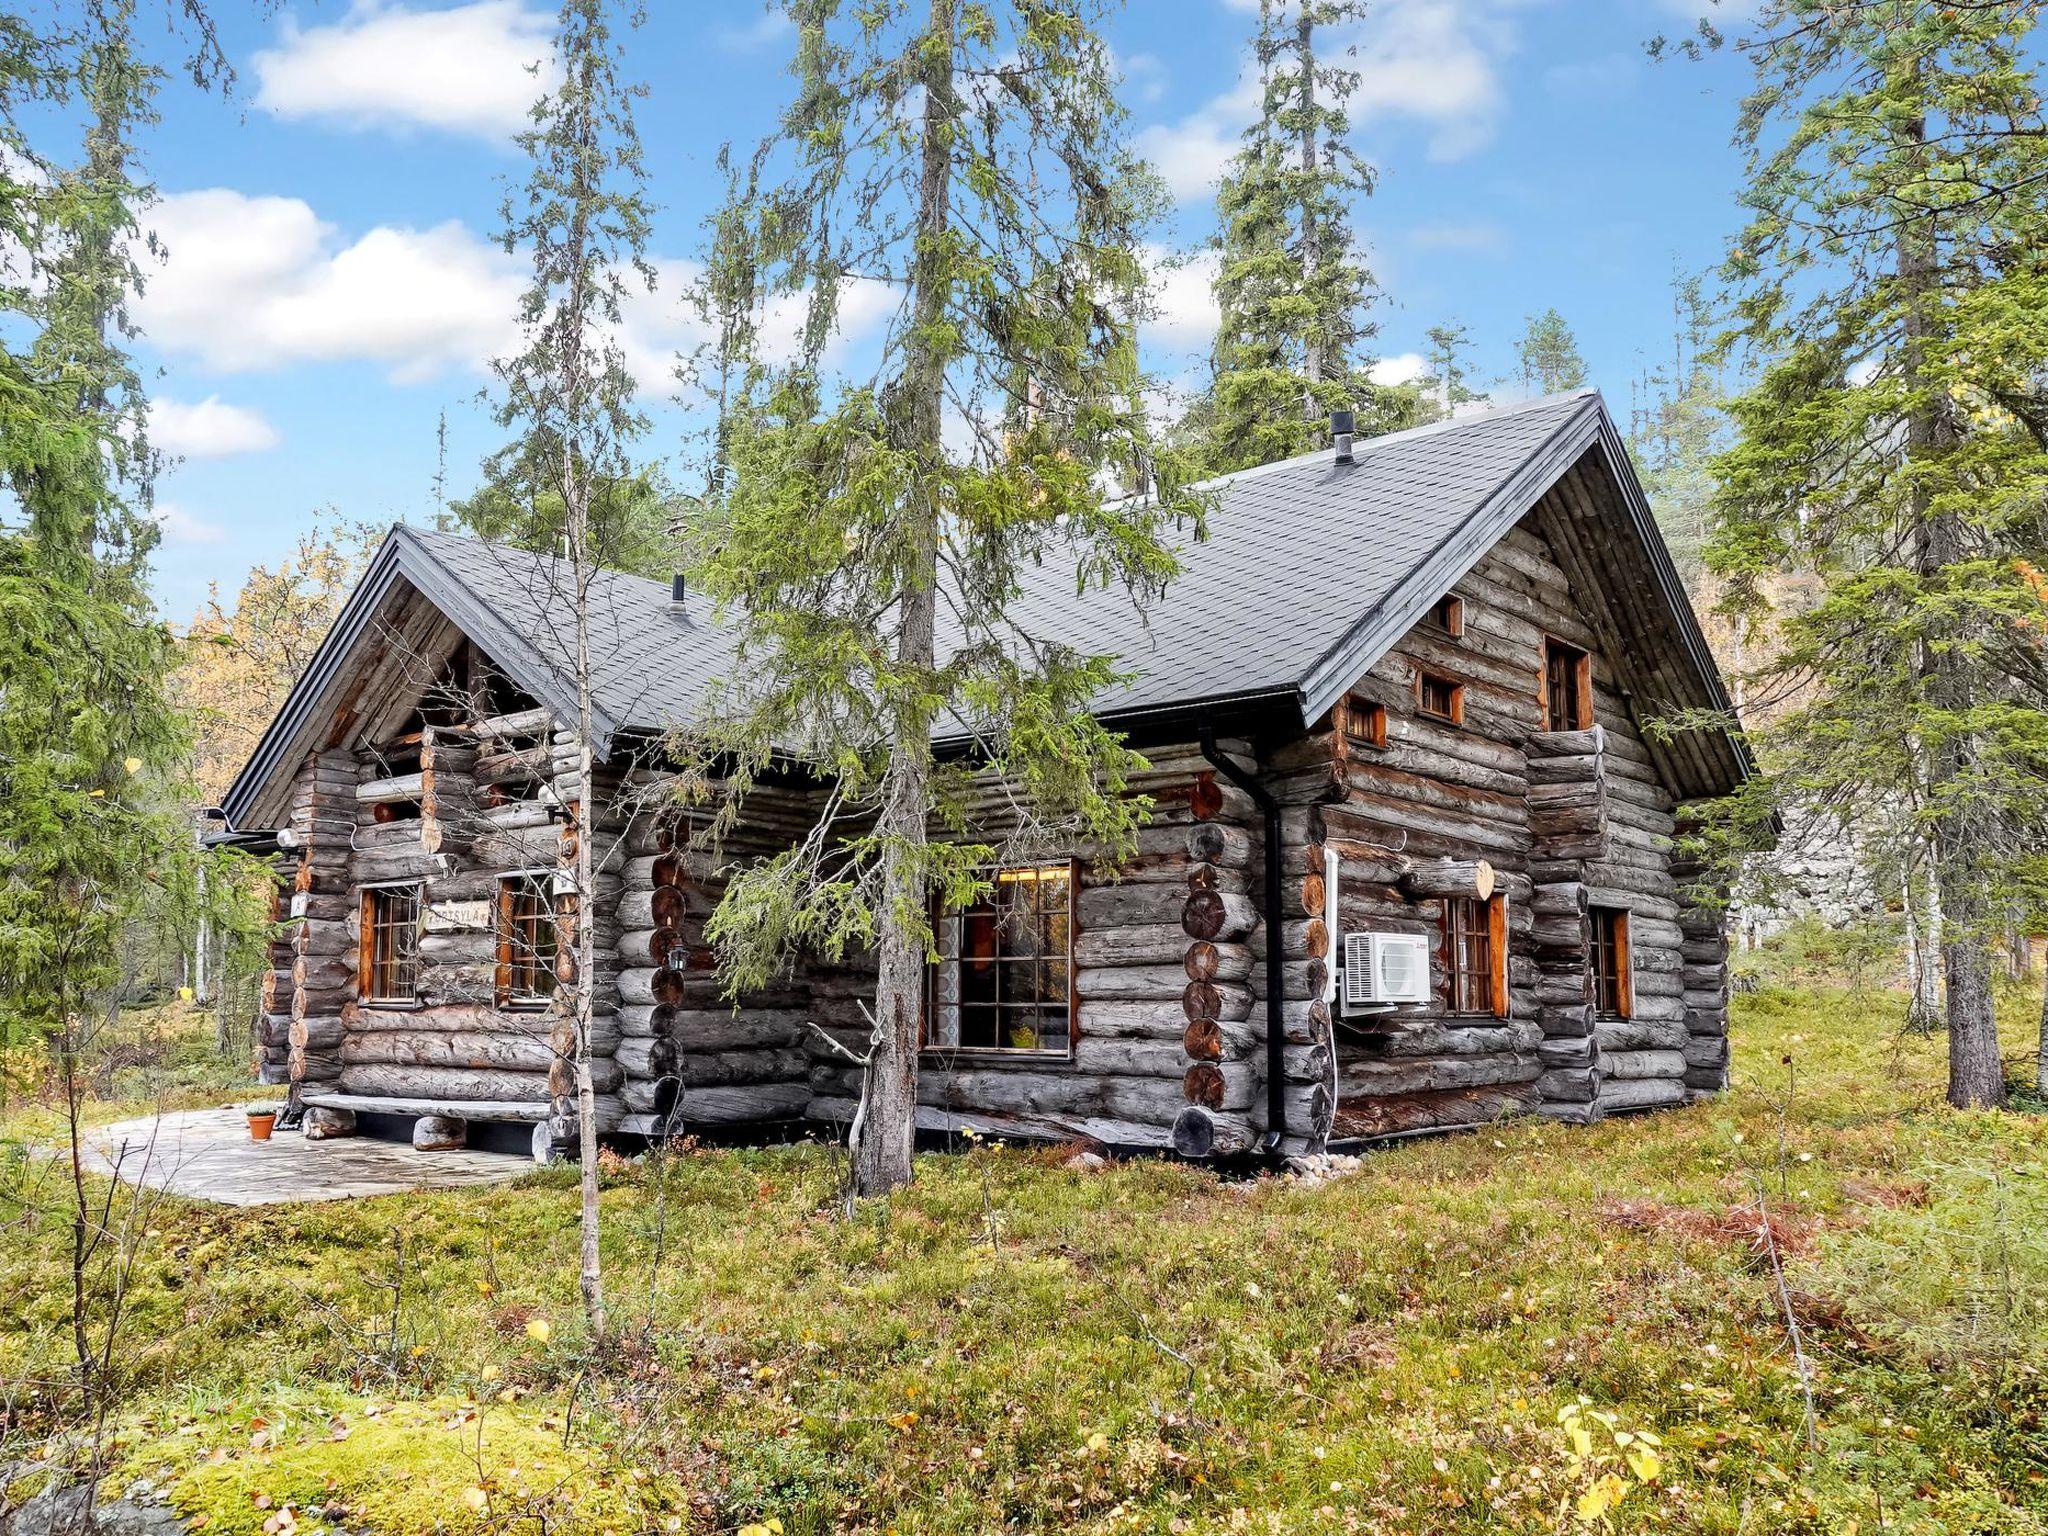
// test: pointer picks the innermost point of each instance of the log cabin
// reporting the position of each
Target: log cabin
(1412, 860)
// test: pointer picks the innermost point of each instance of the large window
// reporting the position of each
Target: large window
(1608, 985)
(391, 944)
(1475, 955)
(1005, 978)
(1567, 687)
(528, 941)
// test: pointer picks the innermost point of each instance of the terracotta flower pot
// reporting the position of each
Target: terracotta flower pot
(261, 1124)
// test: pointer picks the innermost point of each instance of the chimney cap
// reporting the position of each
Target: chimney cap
(1343, 421)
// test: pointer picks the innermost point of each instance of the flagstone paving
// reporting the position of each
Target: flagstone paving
(206, 1154)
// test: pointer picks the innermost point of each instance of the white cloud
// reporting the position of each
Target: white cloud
(771, 26)
(181, 527)
(1434, 61)
(1402, 368)
(1145, 76)
(1599, 79)
(1479, 237)
(466, 69)
(210, 429)
(1431, 62)
(1183, 298)
(252, 283)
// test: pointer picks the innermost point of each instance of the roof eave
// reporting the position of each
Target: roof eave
(402, 556)
(1407, 600)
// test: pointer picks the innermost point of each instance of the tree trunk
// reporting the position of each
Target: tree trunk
(1923, 952)
(2041, 1054)
(1311, 237)
(888, 1116)
(1959, 835)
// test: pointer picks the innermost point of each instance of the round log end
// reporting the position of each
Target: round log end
(1200, 1000)
(1203, 1085)
(1202, 917)
(1194, 1132)
(439, 1133)
(1202, 961)
(1205, 799)
(1203, 1040)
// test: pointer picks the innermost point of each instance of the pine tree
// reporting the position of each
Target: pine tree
(1895, 441)
(1448, 383)
(1292, 286)
(568, 397)
(972, 156)
(1549, 356)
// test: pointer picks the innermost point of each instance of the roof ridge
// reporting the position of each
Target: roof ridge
(1366, 446)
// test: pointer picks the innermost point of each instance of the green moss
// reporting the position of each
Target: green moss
(946, 1362)
(441, 1465)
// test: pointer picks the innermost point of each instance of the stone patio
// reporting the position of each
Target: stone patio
(206, 1154)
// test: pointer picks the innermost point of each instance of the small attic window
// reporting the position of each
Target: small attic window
(1449, 615)
(1364, 723)
(1439, 697)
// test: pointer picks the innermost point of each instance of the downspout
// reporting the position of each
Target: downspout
(1276, 972)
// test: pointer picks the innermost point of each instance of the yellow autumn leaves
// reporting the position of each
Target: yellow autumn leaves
(1600, 1451)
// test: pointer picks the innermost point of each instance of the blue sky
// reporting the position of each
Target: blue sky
(332, 284)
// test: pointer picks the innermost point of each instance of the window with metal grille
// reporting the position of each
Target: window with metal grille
(1439, 696)
(1608, 986)
(1475, 955)
(391, 944)
(528, 941)
(1004, 981)
(1567, 687)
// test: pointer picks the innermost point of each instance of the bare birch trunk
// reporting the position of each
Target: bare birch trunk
(2041, 1052)
(882, 1156)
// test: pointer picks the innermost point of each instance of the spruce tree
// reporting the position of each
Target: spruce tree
(1549, 356)
(1677, 430)
(973, 157)
(1894, 444)
(91, 748)
(1293, 341)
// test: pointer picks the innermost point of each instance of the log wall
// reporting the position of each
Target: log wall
(1568, 821)
(1162, 963)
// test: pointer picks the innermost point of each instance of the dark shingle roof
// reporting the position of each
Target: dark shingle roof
(1309, 572)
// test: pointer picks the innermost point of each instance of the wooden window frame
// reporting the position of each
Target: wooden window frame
(1449, 615)
(370, 960)
(1456, 716)
(1609, 939)
(506, 919)
(1581, 662)
(1359, 723)
(1465, 917)
(1023, 1055)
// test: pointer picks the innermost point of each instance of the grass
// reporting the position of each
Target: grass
(1536, 1328)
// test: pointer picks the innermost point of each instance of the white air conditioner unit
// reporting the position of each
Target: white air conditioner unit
(1382, 968)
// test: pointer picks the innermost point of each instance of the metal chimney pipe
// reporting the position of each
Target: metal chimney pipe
(677, 590)
(1342, 425)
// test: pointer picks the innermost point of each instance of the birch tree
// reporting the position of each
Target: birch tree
(877, 524)
(582, 220)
